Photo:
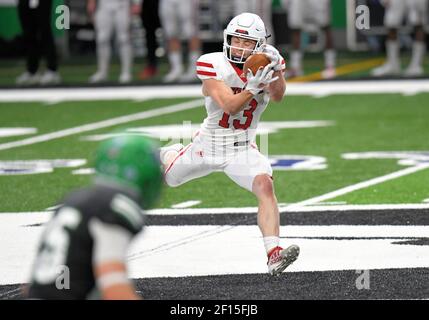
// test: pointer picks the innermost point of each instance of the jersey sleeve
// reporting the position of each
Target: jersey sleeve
(121, 211)
(206, 68)
(110, 242)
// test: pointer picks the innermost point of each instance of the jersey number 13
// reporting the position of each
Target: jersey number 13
(248, 113)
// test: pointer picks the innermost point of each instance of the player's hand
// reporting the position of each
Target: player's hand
(263, 77)
(274, 55)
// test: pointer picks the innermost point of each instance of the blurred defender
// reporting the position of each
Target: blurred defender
(90, 232)
(416, 13)
(260, 7)
(234, 103)
(35, 18)
(318, 12)
(179, 19)
(110, 16)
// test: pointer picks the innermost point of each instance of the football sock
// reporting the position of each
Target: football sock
(392, 48)
(295, 60)
(193, 57)
(125, 57)
(175, 59)
(270, 243)
(419, 49)
(330, 57)
(103, 56)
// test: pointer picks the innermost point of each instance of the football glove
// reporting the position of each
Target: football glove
(257, 82)
(275, 57)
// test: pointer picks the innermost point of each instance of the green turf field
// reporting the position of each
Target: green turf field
(382, 122)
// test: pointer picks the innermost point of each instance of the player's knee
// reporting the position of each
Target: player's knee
(263, 186)
(123, 38)
(171, 181)
(103, 39)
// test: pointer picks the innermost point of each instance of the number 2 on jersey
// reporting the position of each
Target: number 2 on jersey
(248, 113)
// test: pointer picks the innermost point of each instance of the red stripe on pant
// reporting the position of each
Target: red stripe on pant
(177, 157)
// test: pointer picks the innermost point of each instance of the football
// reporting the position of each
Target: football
(254, 62)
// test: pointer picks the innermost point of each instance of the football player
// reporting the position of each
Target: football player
(260, 7)
(317, 12)
(82, 254)
(179, 20)
(110, 16)
(226, 141)
(416, 13)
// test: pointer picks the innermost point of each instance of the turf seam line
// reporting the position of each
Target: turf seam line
(104, 124)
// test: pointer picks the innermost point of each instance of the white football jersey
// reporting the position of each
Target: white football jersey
(220, 129)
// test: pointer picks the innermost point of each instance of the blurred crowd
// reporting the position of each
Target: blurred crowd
(179, 22)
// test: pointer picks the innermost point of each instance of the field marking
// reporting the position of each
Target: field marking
(186, 204)
(104, 124)
(55, 95)
(316, 89)
(288, 208)
(345, 69)
(11, 293)
(43, 216)
(11, 132)
(360, 185)
(240, 249)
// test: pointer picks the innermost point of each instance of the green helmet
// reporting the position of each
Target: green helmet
(133, 161)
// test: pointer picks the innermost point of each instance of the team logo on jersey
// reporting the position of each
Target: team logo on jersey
(22, 167)
(405, 158)
(297, 162)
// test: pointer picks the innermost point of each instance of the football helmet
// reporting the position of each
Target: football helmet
(131, 161)
(247, 26)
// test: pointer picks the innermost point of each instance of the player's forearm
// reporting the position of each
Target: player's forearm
(234, 103)
(277, 88)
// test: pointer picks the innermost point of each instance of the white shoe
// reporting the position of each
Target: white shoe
(50, 77)
(27, 78)
(125, 78)
(168, 154)
(279, 259)
(414, 71)
(173, 75)
(98, 77)
(387, 69)
(188, 76)
(329, 73)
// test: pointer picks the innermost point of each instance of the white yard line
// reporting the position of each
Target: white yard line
(358, 186)
(316, 89)
(186, 204)
(104, 124)
(55, 95)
